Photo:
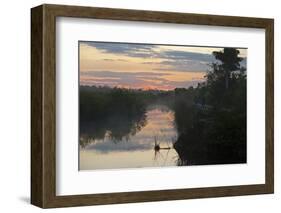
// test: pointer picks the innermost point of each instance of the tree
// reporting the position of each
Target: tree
(230, 61)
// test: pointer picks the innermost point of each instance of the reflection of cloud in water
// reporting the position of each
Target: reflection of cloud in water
(108, 146)
(159, 125)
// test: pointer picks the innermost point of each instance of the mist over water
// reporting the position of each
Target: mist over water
(137, 149)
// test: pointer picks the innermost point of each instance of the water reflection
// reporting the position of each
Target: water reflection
(148, 143)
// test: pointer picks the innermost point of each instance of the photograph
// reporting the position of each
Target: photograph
(172, 105)
(156, 105)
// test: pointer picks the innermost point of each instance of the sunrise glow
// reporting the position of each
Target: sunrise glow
(144, 66)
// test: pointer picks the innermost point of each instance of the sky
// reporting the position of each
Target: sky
(144, 66)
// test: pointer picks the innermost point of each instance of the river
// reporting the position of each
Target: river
(150, 146)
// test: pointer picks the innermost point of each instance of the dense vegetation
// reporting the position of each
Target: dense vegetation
(210, 119)
(118, 112)
(213, 128)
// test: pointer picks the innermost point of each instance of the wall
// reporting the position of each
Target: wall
(15, 104)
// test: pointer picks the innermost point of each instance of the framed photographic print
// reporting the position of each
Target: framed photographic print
(136, 106)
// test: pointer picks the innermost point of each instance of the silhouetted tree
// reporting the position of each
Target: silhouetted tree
(230, 61)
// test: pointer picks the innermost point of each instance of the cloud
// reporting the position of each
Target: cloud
(132, 50)
(181, 65)
(185, 55)
(162, 58)
(169, 59)
(148, 50)
(108, 59)
(126, 79)
(153, 80)
(105, 73)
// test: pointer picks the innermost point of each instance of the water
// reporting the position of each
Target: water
(138, 148)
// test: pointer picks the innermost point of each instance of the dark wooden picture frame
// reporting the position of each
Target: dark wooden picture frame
(43, 105)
